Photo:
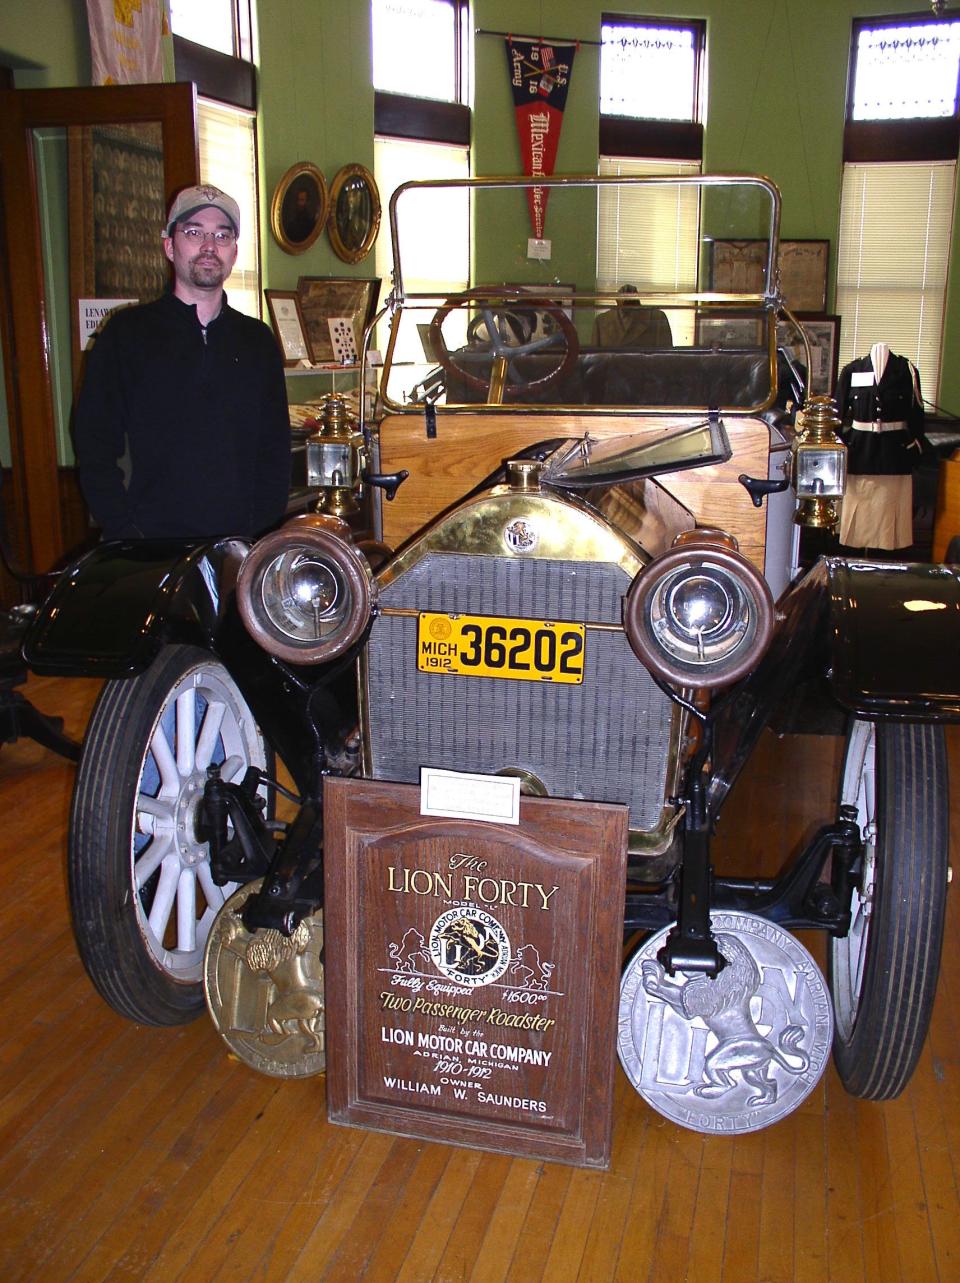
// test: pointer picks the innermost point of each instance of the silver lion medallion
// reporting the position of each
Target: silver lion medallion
(265, 991)
(732, 1054)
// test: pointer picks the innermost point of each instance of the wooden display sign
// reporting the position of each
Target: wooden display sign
(472, 992)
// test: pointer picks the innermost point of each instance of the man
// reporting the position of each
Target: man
(181, 427)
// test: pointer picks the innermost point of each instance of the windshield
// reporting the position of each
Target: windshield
(644, 292)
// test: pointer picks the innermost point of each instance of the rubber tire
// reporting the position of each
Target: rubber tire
(105, 907)
(880, 1029)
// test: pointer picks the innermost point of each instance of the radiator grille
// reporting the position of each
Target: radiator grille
(604, 741)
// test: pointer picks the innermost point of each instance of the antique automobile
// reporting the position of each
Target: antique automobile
(575, 567)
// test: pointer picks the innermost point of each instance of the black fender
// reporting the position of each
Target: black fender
(895, 639)
(110, 613)
(879, 640)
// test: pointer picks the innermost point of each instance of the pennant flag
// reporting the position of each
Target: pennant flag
(539, 79)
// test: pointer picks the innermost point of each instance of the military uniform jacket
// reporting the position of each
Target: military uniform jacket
(894, 399)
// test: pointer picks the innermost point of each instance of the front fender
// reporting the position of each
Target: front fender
(877, 639)
(111, 611)
(895, 639)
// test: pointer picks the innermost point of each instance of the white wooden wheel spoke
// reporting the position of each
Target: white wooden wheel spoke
(209, 733)
(187, 911)
(165, 760)
(213, 894)
(153, 856)
(164, 897)
(186, 730)
(231, 767)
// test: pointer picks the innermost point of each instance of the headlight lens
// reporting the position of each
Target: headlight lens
(305, 593)
(699, 616)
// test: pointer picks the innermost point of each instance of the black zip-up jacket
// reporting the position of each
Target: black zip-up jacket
(180, 433)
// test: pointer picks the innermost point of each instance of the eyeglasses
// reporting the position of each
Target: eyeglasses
(196, 236)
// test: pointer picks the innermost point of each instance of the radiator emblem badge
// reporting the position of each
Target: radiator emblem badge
(470, 946)
(520, 535)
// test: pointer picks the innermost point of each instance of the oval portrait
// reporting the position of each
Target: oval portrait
(354, 213)
(298, 211)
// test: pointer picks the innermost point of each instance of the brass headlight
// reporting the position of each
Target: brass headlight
(701, 615)
(305, 593)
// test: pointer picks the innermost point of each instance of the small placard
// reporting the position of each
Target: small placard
(862, 379)
(462, 796)
(94, 312)
(472, 989)
(343, 340)
(538, 248)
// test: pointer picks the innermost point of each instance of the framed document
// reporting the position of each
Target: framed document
(326, 298)
(287, 321)
(472, 991)
(737, 267)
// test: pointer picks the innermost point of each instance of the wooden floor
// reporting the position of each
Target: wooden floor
(148, 1154)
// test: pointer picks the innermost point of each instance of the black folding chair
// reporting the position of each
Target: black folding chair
(18, 717)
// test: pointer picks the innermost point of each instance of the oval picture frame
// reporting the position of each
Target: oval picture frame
(299, 208)
(354, 218)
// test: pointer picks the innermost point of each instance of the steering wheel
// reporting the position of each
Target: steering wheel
(502, 329)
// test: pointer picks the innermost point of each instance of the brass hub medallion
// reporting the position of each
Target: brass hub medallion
(265, 991)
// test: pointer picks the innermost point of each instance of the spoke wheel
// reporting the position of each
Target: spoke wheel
(141, 891)
(883, 973)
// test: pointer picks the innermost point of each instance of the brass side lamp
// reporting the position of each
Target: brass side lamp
(335, 459)
(819, 464)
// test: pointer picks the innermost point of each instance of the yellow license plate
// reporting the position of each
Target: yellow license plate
(531, 650)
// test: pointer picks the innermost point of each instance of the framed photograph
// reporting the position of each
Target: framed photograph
(116, 205)
(354, 213)
(823, 333)
(730, 330)
(299, 208)
(326, 298)
(737, 267)
(287, 321)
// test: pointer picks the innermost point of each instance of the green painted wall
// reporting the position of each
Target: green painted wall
(45, 42)
(776, 83)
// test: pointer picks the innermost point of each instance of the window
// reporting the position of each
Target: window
(212, 47)
(227, 144)
(900, 149)
(895, 228)
(650, 88)
(415, 48)
(223, 25)
(418, 70)
(434, 250)
(649, 69)
(422, 130)
(905, 71)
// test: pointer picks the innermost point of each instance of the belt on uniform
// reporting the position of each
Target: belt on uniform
(899, 426)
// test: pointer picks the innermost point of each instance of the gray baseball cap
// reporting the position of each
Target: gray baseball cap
(206, 196)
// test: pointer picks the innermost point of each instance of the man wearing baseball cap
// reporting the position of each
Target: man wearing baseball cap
(181, 426)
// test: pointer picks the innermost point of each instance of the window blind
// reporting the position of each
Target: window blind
(893, 254)
(649, 236)
(227, 143)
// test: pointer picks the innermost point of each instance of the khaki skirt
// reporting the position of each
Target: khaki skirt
(877, 512)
